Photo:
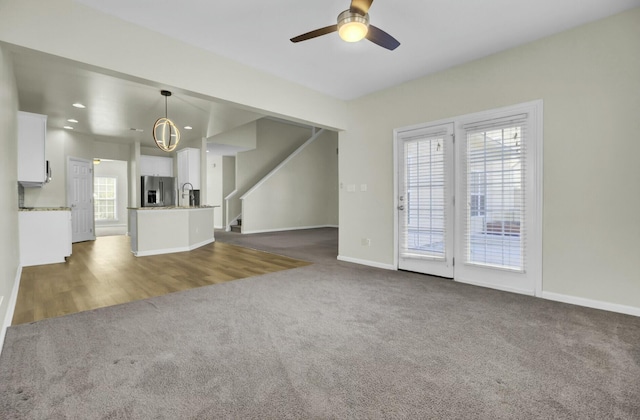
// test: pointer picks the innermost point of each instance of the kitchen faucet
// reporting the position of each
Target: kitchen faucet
(191, 196)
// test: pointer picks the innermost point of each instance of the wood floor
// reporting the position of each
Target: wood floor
(104, 272)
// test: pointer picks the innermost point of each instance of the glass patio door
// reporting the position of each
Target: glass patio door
(425, 200)
(469, 198)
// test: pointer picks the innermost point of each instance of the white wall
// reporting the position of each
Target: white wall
(53, 27)
(243, 136)
(275, 141)
(9, 257)
(589, 79)
(60, 144)
(116, 169)
(214, 188)
(221, 181)
(303, 193)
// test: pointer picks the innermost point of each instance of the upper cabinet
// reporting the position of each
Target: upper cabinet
(156, 165)
(32, 132)
(189, 167)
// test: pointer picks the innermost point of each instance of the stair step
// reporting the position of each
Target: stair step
(239, 222)
(236, 228)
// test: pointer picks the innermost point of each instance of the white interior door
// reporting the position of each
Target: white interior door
(425, 200)
(80, 199)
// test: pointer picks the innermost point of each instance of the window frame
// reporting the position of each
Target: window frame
(96, 200)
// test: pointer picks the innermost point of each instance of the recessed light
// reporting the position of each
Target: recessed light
(207, 151)
(188, 127)
(71, 120)
(79, 105)
(68, 127)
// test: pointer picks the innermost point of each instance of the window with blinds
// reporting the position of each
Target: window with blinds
(493, 182)
(424, 218)
(104, 202)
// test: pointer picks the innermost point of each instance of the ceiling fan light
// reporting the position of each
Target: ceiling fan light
(352, 27)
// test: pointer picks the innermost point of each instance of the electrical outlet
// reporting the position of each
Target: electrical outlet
(365, 242)
(363, 187)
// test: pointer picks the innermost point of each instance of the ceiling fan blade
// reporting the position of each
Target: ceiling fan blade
(380, 37)
(316, 33)
(361, 6)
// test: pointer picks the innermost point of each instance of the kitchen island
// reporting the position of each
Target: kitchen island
(164, 230)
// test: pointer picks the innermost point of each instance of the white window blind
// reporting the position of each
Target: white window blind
(104, 202)
(423, 221)
(493, 183)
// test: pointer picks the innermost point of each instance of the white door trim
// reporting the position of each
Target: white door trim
(534, 249)
(396, 203)
(417, 261)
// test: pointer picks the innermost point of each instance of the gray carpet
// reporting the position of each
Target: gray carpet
(330, 340)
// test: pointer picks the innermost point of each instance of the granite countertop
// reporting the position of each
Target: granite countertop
(44, 209)
(172, 208)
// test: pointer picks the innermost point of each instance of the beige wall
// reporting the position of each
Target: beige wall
(589, 80)
(9, 257)
(303, 193)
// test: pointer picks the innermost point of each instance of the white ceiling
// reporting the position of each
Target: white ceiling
(434, 35)
(115, 104)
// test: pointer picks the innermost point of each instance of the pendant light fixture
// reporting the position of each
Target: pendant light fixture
(165, 132)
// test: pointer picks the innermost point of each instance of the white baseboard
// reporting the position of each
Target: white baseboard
(496, 287)
(203, 243)
(173, 250)
(11, 307)
(286, 229)
(590, 303)
(367, 262)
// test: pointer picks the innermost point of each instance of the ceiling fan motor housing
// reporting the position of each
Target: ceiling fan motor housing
(352, 26)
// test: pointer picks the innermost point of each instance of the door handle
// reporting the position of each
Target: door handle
(401, 207)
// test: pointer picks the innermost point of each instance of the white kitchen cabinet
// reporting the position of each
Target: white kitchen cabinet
(189, 167)
(45, 236)
(32, 132)
(156, 165)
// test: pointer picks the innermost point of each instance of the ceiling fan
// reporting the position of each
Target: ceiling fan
(353, 25)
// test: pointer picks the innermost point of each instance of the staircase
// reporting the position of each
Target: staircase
(237, 228)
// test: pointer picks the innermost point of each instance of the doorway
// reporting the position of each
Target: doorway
(469, 198)
(110, 186)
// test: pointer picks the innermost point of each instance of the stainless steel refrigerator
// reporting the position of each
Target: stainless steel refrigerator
(158, 191)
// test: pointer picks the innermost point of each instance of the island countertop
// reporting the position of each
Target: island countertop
(173, 208)
(44, 208)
